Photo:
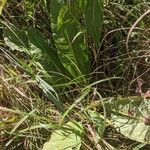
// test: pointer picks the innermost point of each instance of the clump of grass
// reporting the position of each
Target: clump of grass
(24, 109)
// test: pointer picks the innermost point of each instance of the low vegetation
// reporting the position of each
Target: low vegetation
(74, 75)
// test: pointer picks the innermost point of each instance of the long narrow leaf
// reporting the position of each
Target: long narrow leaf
(94, 20)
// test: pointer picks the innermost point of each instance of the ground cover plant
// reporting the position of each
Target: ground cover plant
(74, 74)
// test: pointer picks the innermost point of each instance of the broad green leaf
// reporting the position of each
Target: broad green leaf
(68, 25)
(132, 125)
(74, 52)
(35, 44)
(2, 4)
(65, 139)
(51, 61)
(16, 39)
(94, 20)
(54, 7)
(61, 17)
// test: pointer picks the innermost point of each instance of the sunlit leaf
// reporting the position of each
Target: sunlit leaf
(65, 139)
(129, 120)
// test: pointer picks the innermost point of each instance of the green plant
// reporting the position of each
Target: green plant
(59, 74)
(67, 54)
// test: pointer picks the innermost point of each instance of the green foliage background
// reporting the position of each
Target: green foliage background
(75, 72)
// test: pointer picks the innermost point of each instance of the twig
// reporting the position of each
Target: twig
(98, 147)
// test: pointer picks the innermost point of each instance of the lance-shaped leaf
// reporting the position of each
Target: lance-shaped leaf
(73, 48)
(52, 63)
(94, 20)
